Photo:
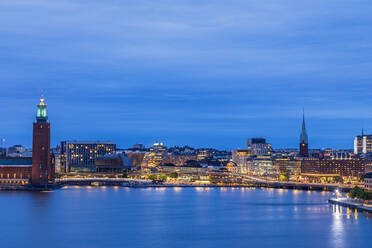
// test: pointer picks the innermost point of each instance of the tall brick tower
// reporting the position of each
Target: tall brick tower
(41, 159)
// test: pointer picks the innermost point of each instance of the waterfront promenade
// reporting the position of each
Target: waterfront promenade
(351, 203)
(247, 182)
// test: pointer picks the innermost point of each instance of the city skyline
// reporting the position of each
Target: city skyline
(198, 74)
(149, 143)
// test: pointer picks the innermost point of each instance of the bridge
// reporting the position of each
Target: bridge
(246, 181)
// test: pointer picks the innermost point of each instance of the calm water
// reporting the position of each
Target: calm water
(178, 217)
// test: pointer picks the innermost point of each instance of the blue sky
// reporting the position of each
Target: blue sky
(202, 73)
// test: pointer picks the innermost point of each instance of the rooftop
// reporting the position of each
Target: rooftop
(89, 142)
(10, 161)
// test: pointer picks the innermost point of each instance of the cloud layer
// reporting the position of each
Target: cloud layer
(203, 73)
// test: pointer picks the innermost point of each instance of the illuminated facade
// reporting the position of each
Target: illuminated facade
(204, 154)
(240, 158)
(287, 165)
(261, 165)
(15, 170)
(368, 181)
(336, 167)
(80, 156)
(155, 156)
(42, 161)
(363, 144)
(259, 147)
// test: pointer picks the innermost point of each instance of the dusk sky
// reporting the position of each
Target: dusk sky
(187, 72)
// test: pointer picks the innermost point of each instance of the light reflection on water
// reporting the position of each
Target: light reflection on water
(179, 217)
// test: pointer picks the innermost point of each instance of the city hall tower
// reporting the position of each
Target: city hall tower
(42, 164)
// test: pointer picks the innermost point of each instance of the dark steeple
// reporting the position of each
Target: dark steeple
(304, 142)
(303, 137)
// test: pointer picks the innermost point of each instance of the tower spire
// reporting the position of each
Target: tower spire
(41, 114)
(303, 137)
(304, 142)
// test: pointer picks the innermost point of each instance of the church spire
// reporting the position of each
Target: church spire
(303, 137)
(304, 142)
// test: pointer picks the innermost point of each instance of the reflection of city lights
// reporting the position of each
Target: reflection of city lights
(337, 230)
(177, 189)
(296, 192)
(356, 214)
(199, 189)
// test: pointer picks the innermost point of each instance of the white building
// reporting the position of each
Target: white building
(363, 144)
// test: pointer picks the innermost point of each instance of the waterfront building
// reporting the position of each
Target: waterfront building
(192, 167)
(258, 146)
(363, 144)
(323, 167)
(137, 158)
(287, 166)
(80, 156)
(155, 156)
(15, 170)
(240, 158)
(304, 142)
(113, 163)
(42, 161)
(368, 181)
(178, 159)
(261, 165)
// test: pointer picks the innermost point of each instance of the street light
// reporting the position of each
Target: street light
(337, 192)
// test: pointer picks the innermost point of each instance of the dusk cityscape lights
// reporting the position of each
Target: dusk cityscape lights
(177, 124)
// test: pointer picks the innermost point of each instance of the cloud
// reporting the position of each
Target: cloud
(186, 64)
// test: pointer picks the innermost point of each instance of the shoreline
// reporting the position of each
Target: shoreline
(346, 202)
(144, 185)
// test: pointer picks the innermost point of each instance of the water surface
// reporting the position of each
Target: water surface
(178, 217)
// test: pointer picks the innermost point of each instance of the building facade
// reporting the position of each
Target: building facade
(261, 165)
(258, 146)
(287, 166)
(15, 170)
(334, 167)
(80, 156)
(363, 144)
(368, 181)
(114, 163)
(240, 158)
(155, 156)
